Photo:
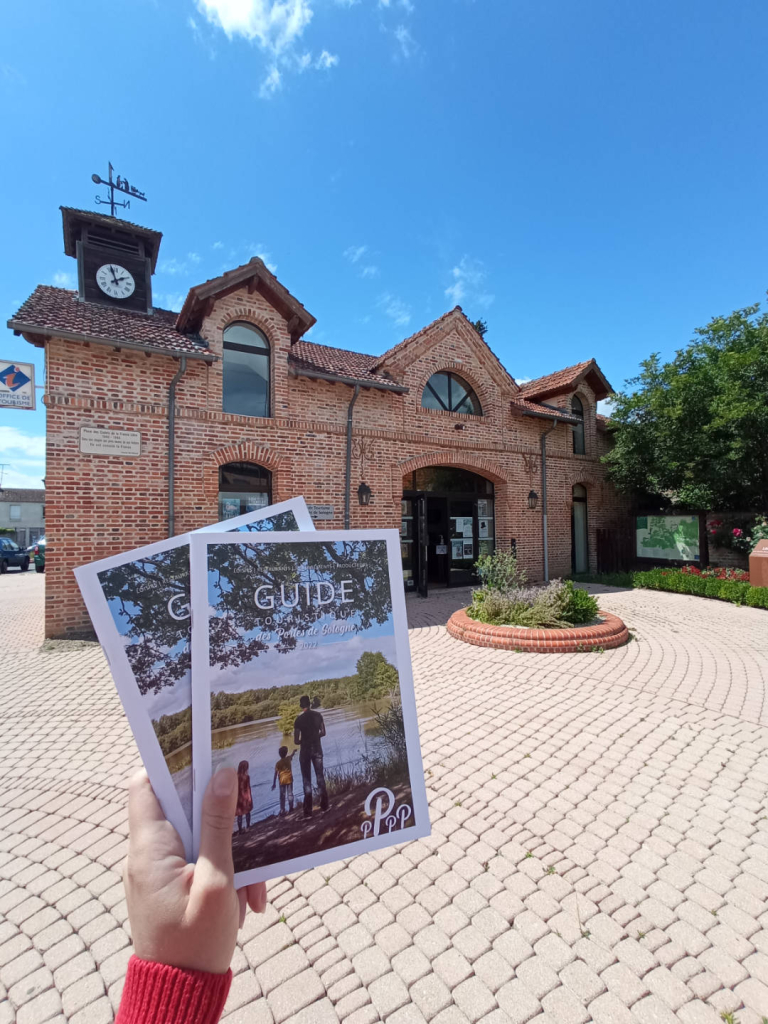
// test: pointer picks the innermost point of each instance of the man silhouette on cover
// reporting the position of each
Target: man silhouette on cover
(308, 731)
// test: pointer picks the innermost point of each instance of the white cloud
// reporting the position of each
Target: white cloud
(169, 300)
(355, 253)
(271, 84)
(218, 245)
(469, 283)
(257, 249)
(64, 279)
(407, 6)
(326, 61)
(275, 25)
(369, 271)
(522, 380)
(606, 406)
(24, 455)
(395, 309)
(193, 257)
(408, 45)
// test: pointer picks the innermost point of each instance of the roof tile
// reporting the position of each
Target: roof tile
(553, 381)
(52, 309)
(306, 355)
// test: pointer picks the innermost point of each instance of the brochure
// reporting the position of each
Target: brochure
(302, 682)
(138, 602)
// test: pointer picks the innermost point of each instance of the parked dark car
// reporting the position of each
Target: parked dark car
(12, 555)
(39, 554)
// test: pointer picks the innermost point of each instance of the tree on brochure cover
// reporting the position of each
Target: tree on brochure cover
(140, 595)
(237, 571)
(156, 643)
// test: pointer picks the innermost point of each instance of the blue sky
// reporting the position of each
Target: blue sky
(588, 177)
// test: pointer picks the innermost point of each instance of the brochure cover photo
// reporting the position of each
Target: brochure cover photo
(139, 607)
(302, 683)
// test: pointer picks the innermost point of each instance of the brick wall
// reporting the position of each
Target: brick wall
(98, 505)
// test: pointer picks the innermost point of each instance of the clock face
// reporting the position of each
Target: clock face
(115, 281)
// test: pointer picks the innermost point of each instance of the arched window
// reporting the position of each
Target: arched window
(246, 371)
(243, 487)
(578, 428)
(450, 393)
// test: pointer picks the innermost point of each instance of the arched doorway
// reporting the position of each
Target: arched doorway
(448, 521)
(579, 533)
(243, 487)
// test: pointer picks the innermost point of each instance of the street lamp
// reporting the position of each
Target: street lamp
(364, 494)
(533, 499)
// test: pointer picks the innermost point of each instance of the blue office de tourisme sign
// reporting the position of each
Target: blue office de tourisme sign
(17, 385)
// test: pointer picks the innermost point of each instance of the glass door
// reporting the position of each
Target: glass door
(407, 545)
(422, 530)
(463, 542)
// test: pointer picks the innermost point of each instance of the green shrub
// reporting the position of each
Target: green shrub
(757, 597)
(735, 592)
(581, 607)
(500, 571)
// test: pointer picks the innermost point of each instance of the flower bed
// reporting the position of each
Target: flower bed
(507, 614)
(609, 632)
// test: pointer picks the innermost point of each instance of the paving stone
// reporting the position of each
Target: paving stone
(371, 963)
(388, 994)
(431, 995)
(608, 1009)
(287, 964)
(42, 1008)
(653, 1010)
(81, 993)
(517, 1002)
(293, 995)
(564, 1006)
(474, 999)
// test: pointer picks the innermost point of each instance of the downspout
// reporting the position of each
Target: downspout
(172, 441)
(544, 498)
(348, 480)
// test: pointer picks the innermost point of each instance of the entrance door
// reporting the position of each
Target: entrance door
(579, 536)
(422, 583)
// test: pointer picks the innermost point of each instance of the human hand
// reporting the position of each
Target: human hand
(185, 915)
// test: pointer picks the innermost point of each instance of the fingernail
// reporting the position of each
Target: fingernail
(224, 781)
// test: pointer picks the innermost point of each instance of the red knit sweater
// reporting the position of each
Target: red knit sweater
(158, 994)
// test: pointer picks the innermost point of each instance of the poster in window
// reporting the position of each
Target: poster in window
(469, 549)
(230, 507)
(457, 550)
(485, 547)
(482, 507)
(483, 528)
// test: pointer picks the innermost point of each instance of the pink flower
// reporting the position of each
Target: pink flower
(737, 532)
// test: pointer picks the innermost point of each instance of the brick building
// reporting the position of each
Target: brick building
(434, 437)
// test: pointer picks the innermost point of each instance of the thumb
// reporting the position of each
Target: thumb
(218, 814)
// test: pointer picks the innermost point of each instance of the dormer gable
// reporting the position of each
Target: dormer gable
(401, 357)
(256, 278)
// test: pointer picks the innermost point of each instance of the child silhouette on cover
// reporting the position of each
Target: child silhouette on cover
(284, 773)
(244, 797)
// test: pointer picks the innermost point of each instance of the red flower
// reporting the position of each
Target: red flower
(737, 532)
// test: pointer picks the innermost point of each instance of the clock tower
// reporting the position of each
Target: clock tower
(115, 259)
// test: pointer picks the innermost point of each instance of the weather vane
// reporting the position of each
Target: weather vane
(121, 185)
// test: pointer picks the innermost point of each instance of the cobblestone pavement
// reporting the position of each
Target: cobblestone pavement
(599, 848)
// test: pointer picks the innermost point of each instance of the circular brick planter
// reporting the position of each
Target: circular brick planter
(609, 632)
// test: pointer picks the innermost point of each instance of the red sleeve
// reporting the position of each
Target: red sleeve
(158, 994)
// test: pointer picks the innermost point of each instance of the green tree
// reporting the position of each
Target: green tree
(289, 710)
(694, 431)
(480, 326)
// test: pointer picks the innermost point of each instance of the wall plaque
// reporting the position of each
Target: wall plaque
(321, 511)
(94, 441)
